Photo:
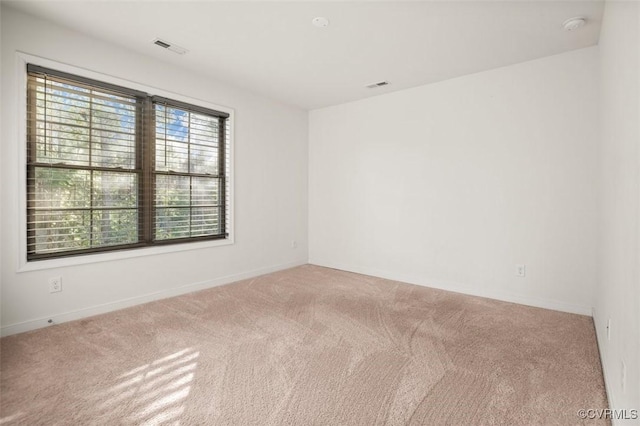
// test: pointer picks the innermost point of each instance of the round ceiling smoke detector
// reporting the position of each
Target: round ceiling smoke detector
(574, 23)
(320, 22)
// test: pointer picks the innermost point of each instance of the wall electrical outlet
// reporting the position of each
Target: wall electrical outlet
(294, 244)
(55, 284)
(521, 270)
(609, 329)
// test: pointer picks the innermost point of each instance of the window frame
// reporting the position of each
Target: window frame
(122, 251)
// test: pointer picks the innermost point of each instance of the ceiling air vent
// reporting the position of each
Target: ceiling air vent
(170, 46)
(378, 84)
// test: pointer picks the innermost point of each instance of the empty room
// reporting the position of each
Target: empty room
(320, 212)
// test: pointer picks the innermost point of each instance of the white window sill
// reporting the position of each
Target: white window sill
(63, 262)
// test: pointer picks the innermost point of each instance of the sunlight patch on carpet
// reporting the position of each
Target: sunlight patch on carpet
(156, 391)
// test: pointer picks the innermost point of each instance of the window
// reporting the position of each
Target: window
(113, 168)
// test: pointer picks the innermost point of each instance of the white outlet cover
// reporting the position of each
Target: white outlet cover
(55, 284)
(521, 270)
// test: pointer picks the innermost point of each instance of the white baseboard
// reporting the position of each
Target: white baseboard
(603, 362)
(125, 303)
(459, 288)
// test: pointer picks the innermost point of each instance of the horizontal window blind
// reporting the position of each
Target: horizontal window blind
(82, 165)
(110, 168)
(189, 172)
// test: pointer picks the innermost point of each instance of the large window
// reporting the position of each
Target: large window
(111, 168)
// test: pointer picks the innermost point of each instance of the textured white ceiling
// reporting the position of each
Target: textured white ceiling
(272, 48)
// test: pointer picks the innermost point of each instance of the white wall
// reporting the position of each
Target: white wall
(618, 289)
(447, 185)
(270, 187)
(452, 184)
(1, 191)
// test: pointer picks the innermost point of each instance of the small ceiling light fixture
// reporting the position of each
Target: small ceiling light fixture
(320, 22)
(574, 23)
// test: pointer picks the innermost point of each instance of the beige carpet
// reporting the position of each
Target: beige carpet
(307, 346)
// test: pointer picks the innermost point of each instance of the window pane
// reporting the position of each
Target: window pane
(205, 221)
(203, 153)
(64, 214)
(172, 139)
(172, 223)
(61, 230)
(82, 126)
(205, 191)
(112, 189)
(186, 142)
(198, 214)
(61, 188)
(110, 149)
(59, 143)
(113, 227)
(172, 191)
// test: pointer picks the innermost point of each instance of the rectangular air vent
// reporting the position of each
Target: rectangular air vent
(378, 84)
(170, 46)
